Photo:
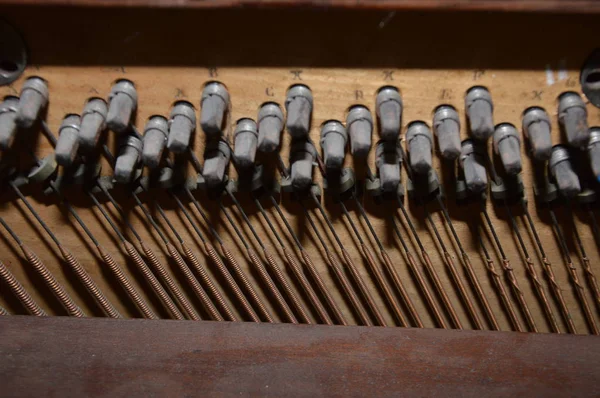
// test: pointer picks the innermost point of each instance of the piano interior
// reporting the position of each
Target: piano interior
(326, 198)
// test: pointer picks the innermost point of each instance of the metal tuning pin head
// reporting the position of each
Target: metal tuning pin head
(33, 98)
(270, 125)
(419, 141)
(446, 126)
(130, 152)
(472, 163)
(360, 128)
(154, 141)
(333, 143)
(302, 158)
(44, 170)
(93, 122)
(536, 128)
(594, 151)
(389, 111)
(216, 159)
(480, 108)
(508, 146)
(246, 140)
(572, 115)
(122, 104)
(181, 126)
(562, 171)
(214, 104)
(8, 125)
(299, 106)
(387, 159)
(68, 140)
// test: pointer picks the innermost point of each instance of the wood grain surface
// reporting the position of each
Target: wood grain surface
(108, 358)
(567, 6)
(344, 56)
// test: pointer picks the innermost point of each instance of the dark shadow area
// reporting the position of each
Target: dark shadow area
(296, 37)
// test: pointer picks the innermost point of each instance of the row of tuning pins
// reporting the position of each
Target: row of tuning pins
(81, 134)
(471, 153)
(536, 126)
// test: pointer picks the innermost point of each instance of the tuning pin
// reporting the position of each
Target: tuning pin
(214, 104)
(389, 112)
(154, 141)
(572, 114)
(93, 122)
(508, 146)
(333, 142)
(446, 126)
(299, 105)
(130, 151)
(122, 103)
(216, 158)
(594, 151)
(270, 126)
(302, 158)
(360, 127)
(246, 139)
(8, 125)
(419, 141)
(479, 106)
(44, 170)
(33, 98)
(472, 163)
(68, 140)
(181, 126)
(388, 158)
(536, 127)
(561, 169)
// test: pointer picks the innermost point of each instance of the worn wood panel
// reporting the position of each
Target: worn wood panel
(345, 57)
(97, 358)
(574, 6)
